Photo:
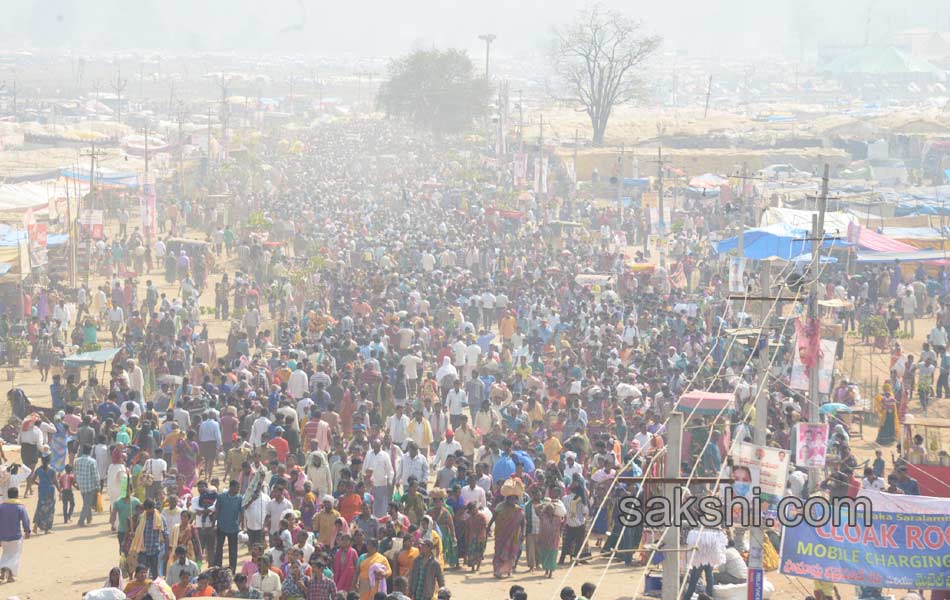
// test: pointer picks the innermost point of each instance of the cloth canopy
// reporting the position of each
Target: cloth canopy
(779, 240)
(836, 223)
(104, 177)
(706, 403)
(913, 233)
(868, 239)
(889, 257)
(90, 359)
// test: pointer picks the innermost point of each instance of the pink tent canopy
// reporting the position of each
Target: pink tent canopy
(872, 240)
(706, 403)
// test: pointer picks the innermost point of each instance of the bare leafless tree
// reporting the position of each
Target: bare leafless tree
(598, 58)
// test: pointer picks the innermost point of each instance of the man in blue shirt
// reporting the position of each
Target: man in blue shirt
(14, 528)
(907, 483)
(154, 538)
(229, 509)
(109, 409)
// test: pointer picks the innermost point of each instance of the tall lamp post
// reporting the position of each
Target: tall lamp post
(488, 38)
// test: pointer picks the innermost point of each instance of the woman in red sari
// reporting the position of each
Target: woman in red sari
(509, 524)
(347, 408)
(344, 565)
(187, 458)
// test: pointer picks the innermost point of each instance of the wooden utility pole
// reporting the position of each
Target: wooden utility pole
(521, 121)
(171, 96)
(488, 38)
(620, 185)
(181, 147)
(540, 173)
(225, 85)
(148, 191)
(96, 87)
(708, 94)
(12, 91)
(661, 225)
(817, 237)
(292, 80)
(118, 86)
(671, 537)
(574, 163)
(146, 150)
(93, 155)
(209, 139)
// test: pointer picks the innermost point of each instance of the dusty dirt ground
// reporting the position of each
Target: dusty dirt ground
(71, 560)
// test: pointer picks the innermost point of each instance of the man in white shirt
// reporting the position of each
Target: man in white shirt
(398, 426)
(446, 448)
(458, 353)
(298, 385)
(455, 401)
(116, 319)
(575, 524)
(156, 467)
(909, 308)
(136, 379)
(734, 570)
(488, 308)
(938, 338)
(258, 429)
(17, 474)
(643, 436)
(274, 509)
(571, 466)
(410, 363)
(255, 512)
(413, 464)
(380, 467)
(870, 482)
(472, 353)
(473, 493)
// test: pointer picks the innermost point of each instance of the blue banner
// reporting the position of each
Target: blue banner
(907, 545)
(756, 584)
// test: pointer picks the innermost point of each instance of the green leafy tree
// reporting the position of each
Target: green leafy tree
(436, 89)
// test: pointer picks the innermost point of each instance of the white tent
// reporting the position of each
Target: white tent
(836, 223)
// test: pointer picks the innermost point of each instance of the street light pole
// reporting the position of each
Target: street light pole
(488, 38)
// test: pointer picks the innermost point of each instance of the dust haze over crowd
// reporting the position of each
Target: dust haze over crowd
(730, 28)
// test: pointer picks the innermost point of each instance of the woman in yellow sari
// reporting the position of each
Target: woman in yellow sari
(366, 584)
(185, 534)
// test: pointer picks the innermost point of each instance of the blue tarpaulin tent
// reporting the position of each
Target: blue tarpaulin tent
(90, 359)
(778, 240)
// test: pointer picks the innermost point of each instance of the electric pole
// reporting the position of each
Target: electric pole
(817, 237)
(146, 151)
(671, 538)
(540, 174)
(181, 146)
(225, 85)
(574, 165)
(93, 155)
(661, 225)
(292, 80)
(488, 38)
(619, 180)
(118, 86)
(708, 94)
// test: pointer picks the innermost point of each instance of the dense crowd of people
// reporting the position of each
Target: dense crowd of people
(412, 382)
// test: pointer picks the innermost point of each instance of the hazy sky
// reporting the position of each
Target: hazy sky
(388, 27)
